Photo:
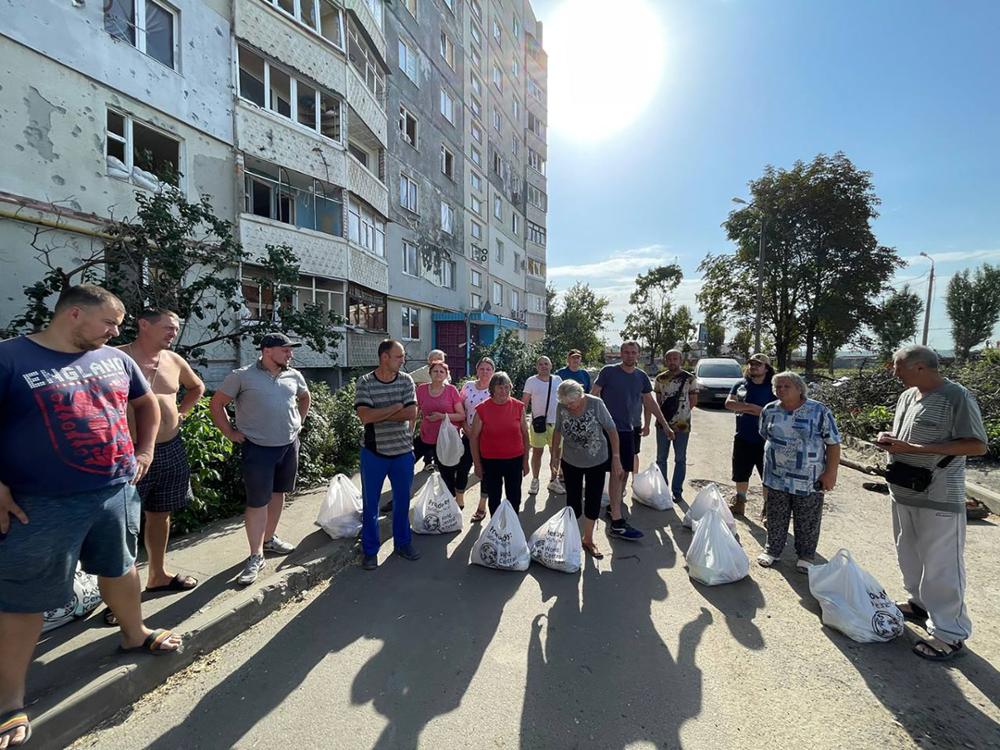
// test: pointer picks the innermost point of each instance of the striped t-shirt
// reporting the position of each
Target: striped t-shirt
(386, 438)
(949, 412)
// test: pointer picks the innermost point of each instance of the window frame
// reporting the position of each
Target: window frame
(446, 97)
(409, 270)
(496, 293)
(127, 141)
(136, 33)
(404, 116)
(447, 218)
(412, 58)
(411, 322)
(447, 49)
(412, 191)
(447, 162)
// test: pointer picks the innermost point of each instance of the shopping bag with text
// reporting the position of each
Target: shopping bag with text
(556, 544)
(853, 602)
(502, 544)
(434, 510)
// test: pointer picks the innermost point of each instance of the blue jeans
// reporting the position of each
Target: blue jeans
(680, 442)
(374, 469)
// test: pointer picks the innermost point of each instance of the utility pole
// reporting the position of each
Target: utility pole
(760, 272)
(930, 296)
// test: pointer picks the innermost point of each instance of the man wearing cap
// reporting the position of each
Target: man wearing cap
(271, 400)
(748, 398)
(677, 394)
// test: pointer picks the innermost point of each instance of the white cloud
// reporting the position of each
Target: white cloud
(953, 256)
(623, 265)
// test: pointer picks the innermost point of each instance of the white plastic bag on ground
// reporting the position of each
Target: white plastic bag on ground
(340, 513)
(715, 557)
(703, 501)
(449, 444)
(86, 597)
(853, 602)
(557, 544)
(434, 510)
(650, 488)
(502, 544)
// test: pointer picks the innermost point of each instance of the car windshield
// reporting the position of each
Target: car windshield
(720, 370)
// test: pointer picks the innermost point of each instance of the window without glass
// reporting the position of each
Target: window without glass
(535, 90)
(411, 323)
(446, 274)
(331, 23)
(536, 126)
(365, 227)
(515, 147)
(140, 153)
(148, 26)
(407, 126)
(515, 300)
(497, 33)
(448, 50)
(411, 265)
(497, 164)
(536, 197)
(252, 77)
(536, 268)
(447, 163)
(535, 161)
(475, 301)
(447, 218)
(277, 193)
(365, 308)
(407, 193)
(516, 109)
(499, 252)
(365, 62)
(515, 223)
(497, 120)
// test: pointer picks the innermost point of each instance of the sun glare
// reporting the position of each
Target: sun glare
(606, 61)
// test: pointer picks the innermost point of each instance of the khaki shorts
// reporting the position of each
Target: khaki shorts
(540, 439)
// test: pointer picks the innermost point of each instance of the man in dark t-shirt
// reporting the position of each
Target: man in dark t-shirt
(747, 398)
(67, 473)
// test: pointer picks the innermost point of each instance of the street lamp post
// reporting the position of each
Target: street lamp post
(760, 274)
(927, 309)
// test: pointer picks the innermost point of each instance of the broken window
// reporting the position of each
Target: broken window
(447, 218)
(407, 126)
(447, 163)
(281, 92)
(448, 50)
(292, 198)
(365, 227)
(407, 193)
(408, 60)
(306, 96)
(411, 323)
(147, 25)
(252, 77)
(365, 62)
(329, 118)
(365, 308)
(140, 153)
(447, 106)
(331, 23)
(411, 266)
(358, 153)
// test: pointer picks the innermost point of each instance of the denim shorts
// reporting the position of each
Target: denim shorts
(38, 559)
(268, 469)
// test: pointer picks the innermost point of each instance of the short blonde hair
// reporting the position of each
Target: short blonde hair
(569, 391)
(500, 378)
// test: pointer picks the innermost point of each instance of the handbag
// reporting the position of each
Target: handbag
(540, 424)
(910, 477)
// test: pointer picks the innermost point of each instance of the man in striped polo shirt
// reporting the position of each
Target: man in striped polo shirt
(937, 424)
(386, 402)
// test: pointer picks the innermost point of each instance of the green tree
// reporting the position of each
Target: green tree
(651, 319)
(973, 304)
(716, 336)
(741, 343)
(822, 259)
(896, 320)
(177, 254)
(512, 355)
(576, 322)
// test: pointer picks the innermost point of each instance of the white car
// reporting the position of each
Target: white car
(716, 377)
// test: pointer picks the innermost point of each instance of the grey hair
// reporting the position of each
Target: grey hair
(792, 377)
(678, 352)
(540, 358)
(500, 378)
(916, 354)
(568, 391)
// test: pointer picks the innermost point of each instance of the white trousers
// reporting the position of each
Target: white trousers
(930, 547)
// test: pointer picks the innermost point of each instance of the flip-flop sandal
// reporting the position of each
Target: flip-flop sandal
(11, 721)
(880, 487)
(152, 644)
(975, 510)
(939, 654)
(913, 612)
(591, 549)
(177, 583)
(110, 618)
(478, 516)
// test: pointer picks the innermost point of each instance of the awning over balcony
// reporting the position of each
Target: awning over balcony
(478, 318)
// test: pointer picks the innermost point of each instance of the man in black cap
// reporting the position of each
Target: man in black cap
(271, 400)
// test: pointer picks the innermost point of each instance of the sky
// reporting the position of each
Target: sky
(718, 89)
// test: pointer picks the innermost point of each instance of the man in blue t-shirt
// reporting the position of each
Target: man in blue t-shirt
(67, 473)
(626, 391)
(748, 398)
(574, 371)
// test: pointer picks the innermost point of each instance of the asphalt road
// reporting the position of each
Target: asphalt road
(629, 653)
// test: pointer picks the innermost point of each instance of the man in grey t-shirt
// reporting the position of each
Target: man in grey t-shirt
(271, 400)
(386, 403)
(937, 421)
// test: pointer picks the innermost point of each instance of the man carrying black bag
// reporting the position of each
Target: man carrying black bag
(937, 424)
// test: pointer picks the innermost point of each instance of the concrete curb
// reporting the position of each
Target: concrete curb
(118, 688)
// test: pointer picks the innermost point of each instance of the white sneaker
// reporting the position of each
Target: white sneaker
(254, 565)
(534, 487)
(765, 560)
(276, 546)
(556, 487)
(803, 566)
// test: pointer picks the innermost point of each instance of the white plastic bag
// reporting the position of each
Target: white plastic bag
(340, 513)
(703, 501)
(86, 597)
(449, 444)
(434, 510)
(502, 544)
(715, 557)
(853, 602)
(556, 544)
(650, 488)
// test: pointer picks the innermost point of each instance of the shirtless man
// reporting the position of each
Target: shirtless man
(167, 485)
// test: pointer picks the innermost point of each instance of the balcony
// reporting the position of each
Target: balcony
(366, 106)
(368, 270)
(534, 286)
(319, 254)
(280, 141)
(372, 28)
(367, 186)
(362, 348)
(535, 321)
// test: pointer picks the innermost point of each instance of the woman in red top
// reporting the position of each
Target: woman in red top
(437, 401)
(499, 442)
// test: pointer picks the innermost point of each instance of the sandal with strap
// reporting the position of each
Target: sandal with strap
(153, 644)
(478, 516)
(591, 549)
(949, 652)
(11, 721)
(110, 618)
(913, 612)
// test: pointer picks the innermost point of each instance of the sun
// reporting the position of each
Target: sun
(606, 61)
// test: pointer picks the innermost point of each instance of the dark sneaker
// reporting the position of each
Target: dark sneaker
(621, 530)
(275, 546)
(408, 552)
(254, 565)
(369, 562)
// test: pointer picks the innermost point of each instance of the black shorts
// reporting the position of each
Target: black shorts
(629, 443)
(167, 485)
(746, 457)
(269, 469)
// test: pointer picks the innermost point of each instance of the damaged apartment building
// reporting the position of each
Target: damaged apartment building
(397, 147)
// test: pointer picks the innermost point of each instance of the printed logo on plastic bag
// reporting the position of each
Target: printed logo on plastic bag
(557, 544)
(853, 601)
(434, 510)
(502, 544)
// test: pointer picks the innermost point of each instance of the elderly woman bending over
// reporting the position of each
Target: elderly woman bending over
(499, 442)
(801, 457)
(586, 437)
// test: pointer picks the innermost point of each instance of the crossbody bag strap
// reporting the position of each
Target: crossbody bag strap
(548, 396)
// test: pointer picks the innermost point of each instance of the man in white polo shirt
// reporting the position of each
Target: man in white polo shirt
(540, 397)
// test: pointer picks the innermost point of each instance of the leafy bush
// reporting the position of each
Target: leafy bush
(331, 437)
(511, 355)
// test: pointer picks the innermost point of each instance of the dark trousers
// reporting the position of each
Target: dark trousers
(455, 478)
(584, 487)
(500, 474)
(808, 513)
